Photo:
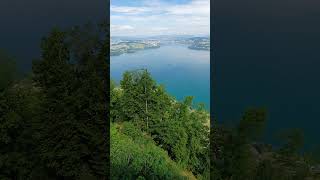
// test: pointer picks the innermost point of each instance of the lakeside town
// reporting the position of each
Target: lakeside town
(131, 46)
(120, 46)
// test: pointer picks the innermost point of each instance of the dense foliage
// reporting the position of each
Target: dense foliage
(135, 155)
(53, 125)
(236, 153)
(174, 132)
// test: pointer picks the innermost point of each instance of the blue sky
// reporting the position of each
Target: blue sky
(160, 17)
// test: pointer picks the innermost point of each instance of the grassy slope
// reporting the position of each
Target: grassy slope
(135, 151)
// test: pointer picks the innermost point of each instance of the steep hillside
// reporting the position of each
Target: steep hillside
(135, 155)
(154, 136)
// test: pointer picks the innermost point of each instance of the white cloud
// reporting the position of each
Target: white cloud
(156, 17)
(121, 27)
(129, 10)
(195, 8)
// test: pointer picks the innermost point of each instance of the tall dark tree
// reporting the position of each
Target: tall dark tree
(73, 76)
(143, 101)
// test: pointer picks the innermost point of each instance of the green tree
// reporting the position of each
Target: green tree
(177, 127)
(143, 101)
(19, 105)
(233, 158)
(115, 106)
(72, 74)
(8, 70)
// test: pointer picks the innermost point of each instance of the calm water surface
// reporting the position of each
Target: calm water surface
(184, 72)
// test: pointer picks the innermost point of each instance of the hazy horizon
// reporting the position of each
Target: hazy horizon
(152, 36)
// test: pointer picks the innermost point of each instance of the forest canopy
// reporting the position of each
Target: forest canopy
(154, 136)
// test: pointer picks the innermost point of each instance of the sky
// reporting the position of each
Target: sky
(160, 17)
(24, 23)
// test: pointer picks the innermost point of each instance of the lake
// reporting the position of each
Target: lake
(183, 71)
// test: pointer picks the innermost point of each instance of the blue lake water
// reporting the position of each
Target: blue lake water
(183, 72)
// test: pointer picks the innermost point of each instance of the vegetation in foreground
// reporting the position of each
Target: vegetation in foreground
(237, 154)
(53, 124)
(153, 136)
